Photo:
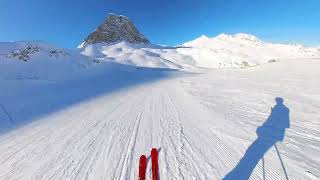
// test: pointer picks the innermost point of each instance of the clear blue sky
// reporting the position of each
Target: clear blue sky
(67, 22)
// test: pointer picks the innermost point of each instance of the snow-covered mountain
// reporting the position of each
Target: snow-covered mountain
(117, 40)
(39, 60)
(241, 50)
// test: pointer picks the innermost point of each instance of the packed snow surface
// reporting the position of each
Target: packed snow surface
(97, 126)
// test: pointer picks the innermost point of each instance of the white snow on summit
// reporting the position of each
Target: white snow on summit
(241, 50)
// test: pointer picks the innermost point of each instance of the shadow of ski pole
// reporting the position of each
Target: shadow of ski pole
(7, 113)
(282, 164)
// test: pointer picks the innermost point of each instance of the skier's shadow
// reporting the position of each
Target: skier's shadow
(272, 131)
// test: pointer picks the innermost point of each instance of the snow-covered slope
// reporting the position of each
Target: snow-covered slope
(144, 55)
(39, 60)
(202, 123)
(241, 50)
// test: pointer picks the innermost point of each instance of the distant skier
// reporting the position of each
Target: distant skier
(272, 131)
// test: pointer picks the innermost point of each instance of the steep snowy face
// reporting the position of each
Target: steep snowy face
(38, 60)
(241, 50)
(115, 28)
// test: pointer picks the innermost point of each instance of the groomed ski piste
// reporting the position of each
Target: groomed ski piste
(202, 121)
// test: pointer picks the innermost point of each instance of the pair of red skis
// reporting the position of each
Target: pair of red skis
(155, 166)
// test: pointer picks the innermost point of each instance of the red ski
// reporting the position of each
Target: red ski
(142, 167)
(155, 166)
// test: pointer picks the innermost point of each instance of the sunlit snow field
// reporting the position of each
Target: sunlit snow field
(202, 122)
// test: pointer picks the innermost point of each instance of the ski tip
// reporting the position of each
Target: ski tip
(142, 167)
(143, 158)
(154, 150)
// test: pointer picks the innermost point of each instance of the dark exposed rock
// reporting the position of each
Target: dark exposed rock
(57, 53)
(24, 54)
(116, 28)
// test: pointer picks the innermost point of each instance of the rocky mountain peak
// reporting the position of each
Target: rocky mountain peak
(116, 28)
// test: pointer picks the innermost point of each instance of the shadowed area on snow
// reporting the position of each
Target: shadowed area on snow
(25, 101)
